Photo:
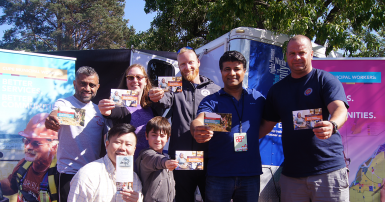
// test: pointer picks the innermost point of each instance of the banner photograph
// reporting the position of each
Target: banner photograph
(363, 134)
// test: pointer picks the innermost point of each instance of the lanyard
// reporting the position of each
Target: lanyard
(240, 117)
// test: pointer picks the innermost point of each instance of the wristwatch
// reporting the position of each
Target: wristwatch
(335, 127)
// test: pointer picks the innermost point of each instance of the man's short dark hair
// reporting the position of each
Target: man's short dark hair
(232, 56)
(89, 71)
(160, 124)
(121, 129)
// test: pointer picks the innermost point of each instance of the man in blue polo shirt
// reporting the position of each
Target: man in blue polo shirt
(232, 173)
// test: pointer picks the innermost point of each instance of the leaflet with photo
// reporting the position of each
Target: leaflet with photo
(220, 122)
(71, 116)
(124, 172)
(189, 160)
(124, 98)
(170, 83)
(306, 119)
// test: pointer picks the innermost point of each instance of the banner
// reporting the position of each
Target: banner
(29, 86)
(266, 67)
(363, 134)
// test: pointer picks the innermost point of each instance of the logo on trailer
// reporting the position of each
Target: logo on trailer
(308, 91)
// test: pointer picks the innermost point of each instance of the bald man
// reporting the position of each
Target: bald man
(314, 167)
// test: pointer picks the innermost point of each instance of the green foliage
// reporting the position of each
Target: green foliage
(355, 27)
(50, 25)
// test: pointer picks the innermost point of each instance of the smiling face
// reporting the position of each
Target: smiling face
(232, 74)
(39, 150)
(157, 140)
(189, 65)
(299, 114)
(86, 87)
(124, 145)
(135, 84)
(299, 55)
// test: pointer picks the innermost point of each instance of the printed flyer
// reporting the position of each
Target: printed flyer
(220, 122)
(124, 98)
(189, 160)
(124, 172)
(169, 83)
(71, 116)
(306, 119)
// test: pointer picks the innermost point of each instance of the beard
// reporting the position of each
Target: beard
(190, 75)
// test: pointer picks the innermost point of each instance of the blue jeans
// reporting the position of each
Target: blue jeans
(240, 189)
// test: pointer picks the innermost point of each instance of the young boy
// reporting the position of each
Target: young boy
(155, 167)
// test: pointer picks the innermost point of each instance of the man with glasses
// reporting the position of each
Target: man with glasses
(35, 176)
(184, 106)
(79, 145)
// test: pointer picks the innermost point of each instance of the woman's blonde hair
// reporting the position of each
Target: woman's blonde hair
(145, 100)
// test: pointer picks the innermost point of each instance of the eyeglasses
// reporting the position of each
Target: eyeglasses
(186, 47)
(138, 77)
(35, 144)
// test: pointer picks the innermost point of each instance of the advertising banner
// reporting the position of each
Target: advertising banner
(266, 67)
(363, 134)
(29, 86)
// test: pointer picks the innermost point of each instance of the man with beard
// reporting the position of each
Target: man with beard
(184, 106)
(79, 145)
(31, 176)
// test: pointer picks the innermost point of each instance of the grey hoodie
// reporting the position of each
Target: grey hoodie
(157, 182)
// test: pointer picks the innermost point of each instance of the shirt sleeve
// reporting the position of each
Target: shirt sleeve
(59, 103)
(332, 90)
(153, 161)
(207, 104)
(166, 101)
(270, 112)
(138, 187)
(81, 188)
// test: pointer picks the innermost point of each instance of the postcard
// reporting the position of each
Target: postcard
(124, 172)
(170, 83)
(220, 122)
(71, 116)
(306, 119)
(189, 160)
(124, 98)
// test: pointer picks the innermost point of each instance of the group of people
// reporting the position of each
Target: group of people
(313, 170)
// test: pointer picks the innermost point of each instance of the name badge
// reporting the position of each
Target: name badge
(240, 142)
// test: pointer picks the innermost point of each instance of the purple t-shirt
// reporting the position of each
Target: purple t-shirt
(139, 119)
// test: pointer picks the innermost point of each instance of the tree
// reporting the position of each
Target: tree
(355, 27)
(50, 25)
(177, 24)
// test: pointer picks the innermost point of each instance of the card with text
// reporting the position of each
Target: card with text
(170, 83)
(189, 160)
(240, 142)
(220, 122)
(124, 98)
(71, 116)
(306, 119)
(124, 172)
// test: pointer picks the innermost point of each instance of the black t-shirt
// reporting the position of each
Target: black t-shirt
(304, 153)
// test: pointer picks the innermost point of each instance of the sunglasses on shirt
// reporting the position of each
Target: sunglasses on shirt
(138, 77)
